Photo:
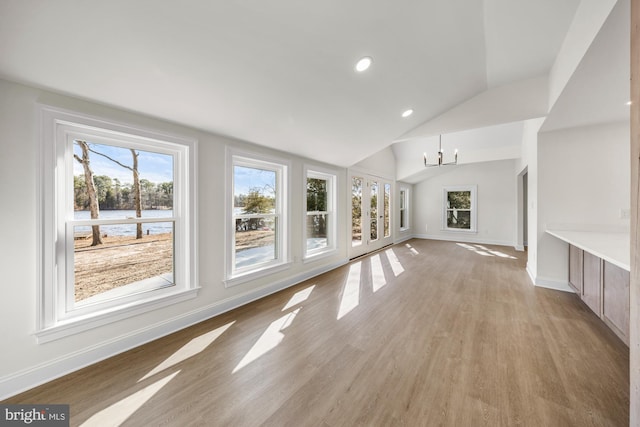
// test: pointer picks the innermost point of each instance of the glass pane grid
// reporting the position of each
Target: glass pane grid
(459, 199)
(255, 242)
(122, 224)
(460, 219)
(317, 228)
(123, 263)
(255, 216)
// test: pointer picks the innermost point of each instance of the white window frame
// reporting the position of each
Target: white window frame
(331, 177)
(474, 210)
(235, 276)
(58, 315)
(404, 207)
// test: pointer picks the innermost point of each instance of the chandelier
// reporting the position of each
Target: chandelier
(441, 161)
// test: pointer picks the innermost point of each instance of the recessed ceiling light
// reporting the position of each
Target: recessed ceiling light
(363, 64)
(407, 113)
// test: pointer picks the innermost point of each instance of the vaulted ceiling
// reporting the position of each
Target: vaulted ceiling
(281, 74)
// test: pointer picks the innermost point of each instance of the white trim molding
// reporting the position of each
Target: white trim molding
(58, 313)
(463, 238)
(473, 209)
(281, 168)
(555, 284)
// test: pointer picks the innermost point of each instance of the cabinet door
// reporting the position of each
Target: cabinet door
(591, 289)
(615, 299)
(575, 269)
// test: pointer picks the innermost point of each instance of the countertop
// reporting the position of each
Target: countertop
(610, 246)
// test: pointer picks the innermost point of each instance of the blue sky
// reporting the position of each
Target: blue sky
(158, 168)
(246, 178)
(154, 167)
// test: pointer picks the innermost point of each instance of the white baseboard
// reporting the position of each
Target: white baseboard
(462, 238)
(26, 379)
(403, 238)
(519, 248)
(545, 282)
(558, 285)
(532, 276)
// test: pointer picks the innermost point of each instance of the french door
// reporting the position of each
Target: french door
(370, 214)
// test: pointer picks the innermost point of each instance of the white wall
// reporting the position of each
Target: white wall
(587, 21)
(529, 162)
(583, 183)
(26, 363)
(496, 200)
(382, 164)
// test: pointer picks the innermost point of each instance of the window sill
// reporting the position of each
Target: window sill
(252, 275)
(319, 255)
(79, 324)
(459, 230)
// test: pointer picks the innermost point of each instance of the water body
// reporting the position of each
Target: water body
(127, 229)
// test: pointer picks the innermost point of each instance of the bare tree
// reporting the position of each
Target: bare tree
(91, 190)
(137, 191)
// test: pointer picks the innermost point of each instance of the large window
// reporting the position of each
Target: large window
(320, 216)
(404, 209)
(257, 216)
(459, 208)
(117, 222)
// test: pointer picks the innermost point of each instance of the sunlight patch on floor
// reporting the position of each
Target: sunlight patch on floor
(396, 267)
(351, 290)
(484, 251)
(377, 273)
(496, 253)
(299, 297)
(269, 340)
(118, 413)
(188, 350)
(412, 249)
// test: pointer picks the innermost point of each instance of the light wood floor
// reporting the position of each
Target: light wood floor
(430, 333)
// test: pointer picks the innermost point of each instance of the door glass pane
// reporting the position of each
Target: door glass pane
(387, 211)
(374, 211)
(403, 204)
(356, 211)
